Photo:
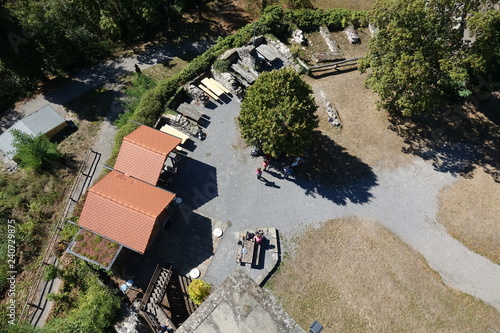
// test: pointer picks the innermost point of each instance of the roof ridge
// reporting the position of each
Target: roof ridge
(142, 145)
(123, 203)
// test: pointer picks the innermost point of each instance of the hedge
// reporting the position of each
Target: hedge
(334, 18)
(153, 102)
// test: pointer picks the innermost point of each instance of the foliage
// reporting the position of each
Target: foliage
(199, 290)
(484, 55)
(47, 38)
(34, 152)
(95, 312)
(51, 272)
(139, 85)
(221, 65)
(84, 303)
(69, 230)
(278, 113)
(7, 326)
(415, 57)
(30, 200)
(335, 18)
(153, 102)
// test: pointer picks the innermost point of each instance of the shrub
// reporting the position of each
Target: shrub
(34, 152)
(198, 290)
(51, 272)
(221, 65)
(79, 238)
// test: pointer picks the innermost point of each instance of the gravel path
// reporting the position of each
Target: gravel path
(405, 200)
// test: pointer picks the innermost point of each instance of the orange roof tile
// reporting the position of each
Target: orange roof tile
(143, 153)
(124, 209)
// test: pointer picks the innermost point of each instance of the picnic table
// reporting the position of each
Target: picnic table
(248, 251)
(244, 73)
(190, 111)
(174, 132)
(208, 91)
(267, 52)
(214, 86)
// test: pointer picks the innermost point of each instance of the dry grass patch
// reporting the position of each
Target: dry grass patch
(365, 132)
(470, 209)
(364, 278)
(163, 71)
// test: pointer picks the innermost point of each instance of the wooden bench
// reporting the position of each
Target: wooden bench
(208, 92)
(213, 87)
(190, 111)
(245, 73)
(208, 81)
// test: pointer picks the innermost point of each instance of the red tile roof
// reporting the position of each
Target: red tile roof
(124, 210)
(143, 153)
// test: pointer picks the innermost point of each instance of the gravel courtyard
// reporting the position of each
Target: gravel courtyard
(218, 181)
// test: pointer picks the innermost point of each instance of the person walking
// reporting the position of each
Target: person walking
(287, 171)
(259, 173)
(265, 164)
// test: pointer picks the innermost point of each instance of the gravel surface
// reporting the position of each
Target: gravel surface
(224, 187)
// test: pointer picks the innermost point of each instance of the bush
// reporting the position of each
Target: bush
(69, 231)
(34, 152)
(334, 18)
(51, 272)
(198, 290)
(221, 65)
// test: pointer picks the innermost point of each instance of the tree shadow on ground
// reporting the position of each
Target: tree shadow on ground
(96, 105)
(331, 172)
(456, 140)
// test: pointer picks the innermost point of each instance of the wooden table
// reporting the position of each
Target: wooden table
(267, 52)
(208, 91)
(247, 257)
(190, 111)
(210, 82)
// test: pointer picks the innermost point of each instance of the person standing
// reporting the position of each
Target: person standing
(287, 171)
(265, 164)
(259, 173)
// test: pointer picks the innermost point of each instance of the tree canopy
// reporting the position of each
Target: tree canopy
(34, 152)
(417, 58)
(278, 113)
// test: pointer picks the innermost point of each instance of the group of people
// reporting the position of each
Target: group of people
(287, 170)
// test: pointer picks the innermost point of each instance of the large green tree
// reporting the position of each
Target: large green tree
(417, 56)
(278, 113)
(484, 55)
(34, 152)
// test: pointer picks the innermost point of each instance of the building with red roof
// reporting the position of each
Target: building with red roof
(125, 210)
(143, 153)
